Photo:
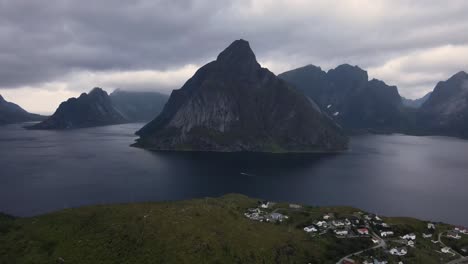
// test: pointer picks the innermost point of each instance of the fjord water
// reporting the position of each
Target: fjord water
(393, 175)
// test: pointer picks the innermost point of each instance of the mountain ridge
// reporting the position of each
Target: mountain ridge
(233, 104)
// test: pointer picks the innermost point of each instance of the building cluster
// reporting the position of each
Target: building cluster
(356, 225)
(257, 214)
(457, 232)
(351, 226)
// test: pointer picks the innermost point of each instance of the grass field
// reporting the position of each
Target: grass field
(210, 230)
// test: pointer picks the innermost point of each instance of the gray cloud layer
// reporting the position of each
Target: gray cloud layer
(407, 43)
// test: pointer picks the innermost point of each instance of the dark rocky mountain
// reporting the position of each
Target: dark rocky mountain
(446, 111)
(88, 110)
(13, 113)
(347, 95)
(415, 103)
(138, 106)
(233, 104)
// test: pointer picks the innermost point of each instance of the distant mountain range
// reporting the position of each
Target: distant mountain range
(445, 112)
(97, 108)
(233, 104)
(13, 113)
(138, 106)
(415, 103)
(88, 110)
(360, 105)
(346, 94)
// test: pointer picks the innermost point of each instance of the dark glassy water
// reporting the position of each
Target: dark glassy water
(397, 175)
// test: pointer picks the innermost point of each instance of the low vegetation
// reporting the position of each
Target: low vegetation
(210, 230)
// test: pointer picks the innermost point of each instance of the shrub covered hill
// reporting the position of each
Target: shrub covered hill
(212, 230)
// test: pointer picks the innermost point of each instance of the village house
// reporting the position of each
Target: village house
(375, 241)
(295, 206)
(386, 233)
(411, 243)
(376, 261)
(453, 234)
(398, 251)
(309, 229)
(338, 223)
(321, 223)
(341, 232)
(363, 231)
(430, 226)
(254, 214)
(327, 216)
(276, 217)
(446, 250)
(264, 204)
(426, 235)
(348, 261)
(347, 222)
(462, 230)
(411, 236)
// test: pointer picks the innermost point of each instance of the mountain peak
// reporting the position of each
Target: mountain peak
(238, 53)
(97, 90)
(460, 75)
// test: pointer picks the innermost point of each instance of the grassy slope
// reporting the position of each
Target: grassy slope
(211, 230)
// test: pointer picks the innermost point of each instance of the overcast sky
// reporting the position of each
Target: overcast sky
(56, 49)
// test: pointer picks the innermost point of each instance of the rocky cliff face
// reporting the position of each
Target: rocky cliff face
(13, 113)
(446, 111)
(88, 110)
(347, 95)
(233, 104)
(138, 106)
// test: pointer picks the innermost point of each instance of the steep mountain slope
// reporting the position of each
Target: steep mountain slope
(138, 106)
(13, 113)
(350, 98)
(415, 103)
(88, 110)
(233, 104)
(446, 111)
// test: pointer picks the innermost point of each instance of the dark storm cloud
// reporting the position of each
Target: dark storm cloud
(43, 41)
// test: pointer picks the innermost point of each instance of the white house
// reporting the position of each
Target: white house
(265, 204)
(426, 235)
(462, 230)
(341, 232)
(320, 223)
(309, 229)
(445, 250)
(398, 251)
(409, 236)
(375, 241)
(338, 223)
(386, 233)
(327, 216)
(430, 226)
(347, 222)
(411, 243)
(276, 217)
(454, 235)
